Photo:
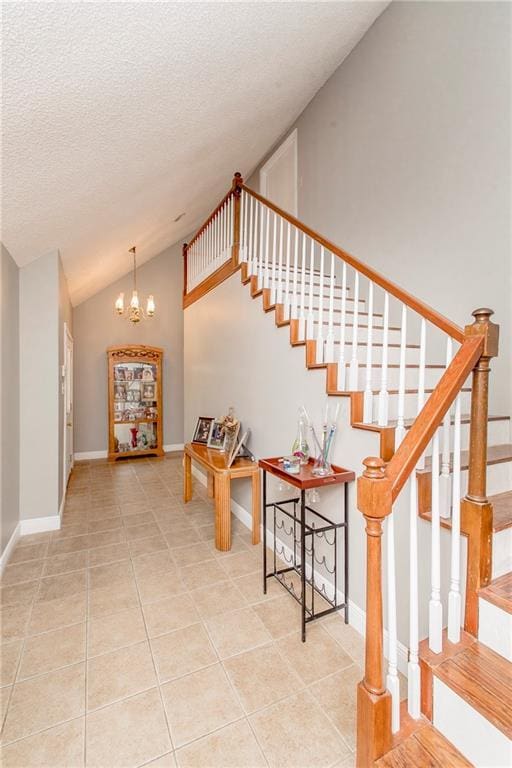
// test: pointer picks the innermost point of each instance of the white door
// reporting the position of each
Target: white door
(68, 404)
(278, 177)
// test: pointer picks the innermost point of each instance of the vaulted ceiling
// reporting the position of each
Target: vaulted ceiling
(120, 116)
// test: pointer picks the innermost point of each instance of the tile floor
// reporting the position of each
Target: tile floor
(129, 640)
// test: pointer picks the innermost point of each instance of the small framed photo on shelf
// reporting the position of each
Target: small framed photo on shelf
(202, 430)
(148, 392)
(216, 438)
(120, 392)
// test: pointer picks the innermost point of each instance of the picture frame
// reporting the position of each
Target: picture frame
(231, 441)
(202, 430)
(216, 438)
(236, 448)
(148, 392)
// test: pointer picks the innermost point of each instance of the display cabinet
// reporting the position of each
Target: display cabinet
(134, 401)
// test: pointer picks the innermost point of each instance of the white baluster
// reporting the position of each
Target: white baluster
(421, 377)
(261, 248)
(250, 241)
(243, 223)
(445, 480)
(368, 389)
(413, 666)
(294, 312)
(392, 683)
(320, 331)
(310, 325)
(222, 233)
(435, 609)
(286, 302)
(329, 342)
(383, 394)
(231, 224)
(454, 598)
(256, 265)
(342, 368)
(274, 257)
(279, 291)
(354, 365)
(400, 426)
(226, 229)
(302, 312)
(266, 279)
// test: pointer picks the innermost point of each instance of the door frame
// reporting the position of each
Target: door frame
(67, 392)
(290, 141)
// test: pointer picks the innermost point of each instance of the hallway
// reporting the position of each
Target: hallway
(129, 640)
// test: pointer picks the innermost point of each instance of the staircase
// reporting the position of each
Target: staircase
(420, 383)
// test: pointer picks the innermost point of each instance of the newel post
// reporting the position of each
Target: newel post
(476, 511)
(184, 251)
(237, 195)
(373, 700)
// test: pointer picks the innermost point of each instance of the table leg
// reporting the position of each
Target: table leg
(303, 560)
(187, 478)
(345, 543)
(256, 504)
(265, 532)
(223, 512)
(211, 485)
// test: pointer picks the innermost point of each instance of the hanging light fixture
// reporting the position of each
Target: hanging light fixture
(134, 311)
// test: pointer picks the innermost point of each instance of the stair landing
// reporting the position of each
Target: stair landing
(425, 748)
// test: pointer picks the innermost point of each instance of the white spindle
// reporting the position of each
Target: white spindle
(435, 609)
(274, 254)
(222, 232)
(354, 365)
(421, 377)
(368, 388)
(413, 666)
(261, 247)
(392, 683)
(454, 598)
(279, 292)
(250, 241)
(329, 342)
(342, 368)
(320, 331)
(256, 245)
(383, 394)
(243, 224)
(266, 279)
(445, 481)
(286, 302)
(400, 426)
(231, 224)
(310, 326)
(294, 312)
(302, 312)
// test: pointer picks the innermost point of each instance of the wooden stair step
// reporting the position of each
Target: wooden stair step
(464, 419)
(502, 511)
(425, 748)
(483, 679)
(499, 592)
(496, 454)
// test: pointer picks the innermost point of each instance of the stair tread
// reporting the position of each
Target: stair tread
(425, 748)
(502, 510)
(483, 679)
(464, 419)
(496, 454)
(499, 592)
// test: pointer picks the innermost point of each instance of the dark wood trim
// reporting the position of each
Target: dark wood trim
(418, 306)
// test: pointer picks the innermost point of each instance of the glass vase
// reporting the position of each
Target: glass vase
(300, 446)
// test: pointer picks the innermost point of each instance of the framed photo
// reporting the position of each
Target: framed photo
(148, 392)
(236, 448)
(202, 431)
(119, 392)
(231, 441)
(216, 438)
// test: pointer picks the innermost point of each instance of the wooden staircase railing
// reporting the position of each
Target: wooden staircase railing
(292, 267)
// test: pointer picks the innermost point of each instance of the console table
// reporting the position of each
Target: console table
(219, 487)
(311, 534)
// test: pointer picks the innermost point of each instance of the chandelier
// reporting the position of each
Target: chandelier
(134, 311)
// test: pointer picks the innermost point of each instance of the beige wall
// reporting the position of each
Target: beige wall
(404, 159)
(9, 397)
(65, 316)
(96, 327)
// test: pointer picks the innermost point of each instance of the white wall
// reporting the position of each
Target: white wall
(9, 398)
(39, 388)
(404, 160)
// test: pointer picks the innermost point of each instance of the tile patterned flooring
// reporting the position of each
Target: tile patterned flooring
(129, 640)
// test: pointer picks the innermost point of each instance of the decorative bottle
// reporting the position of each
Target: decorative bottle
(300, 446)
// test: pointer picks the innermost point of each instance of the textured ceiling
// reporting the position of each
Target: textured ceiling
(118, 117)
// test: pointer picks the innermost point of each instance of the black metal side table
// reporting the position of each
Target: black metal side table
(307, 527)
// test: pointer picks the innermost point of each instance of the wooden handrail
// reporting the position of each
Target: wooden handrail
(418, 306)
(431, 416)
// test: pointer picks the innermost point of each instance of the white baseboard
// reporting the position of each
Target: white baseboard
(39, 524)
(88, 455)
(4, 559)
(356, 615)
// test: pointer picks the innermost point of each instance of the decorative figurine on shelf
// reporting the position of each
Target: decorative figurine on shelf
(300, 446)
(133, 431)
(322, 466)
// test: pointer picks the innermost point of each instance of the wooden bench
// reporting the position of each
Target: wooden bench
(219, 487)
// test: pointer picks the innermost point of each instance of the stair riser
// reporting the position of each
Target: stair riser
(502, 552)
(362, 333)
(495, 628)
(478, 739)
(432, 376)
(411, 407)
(498, 433)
